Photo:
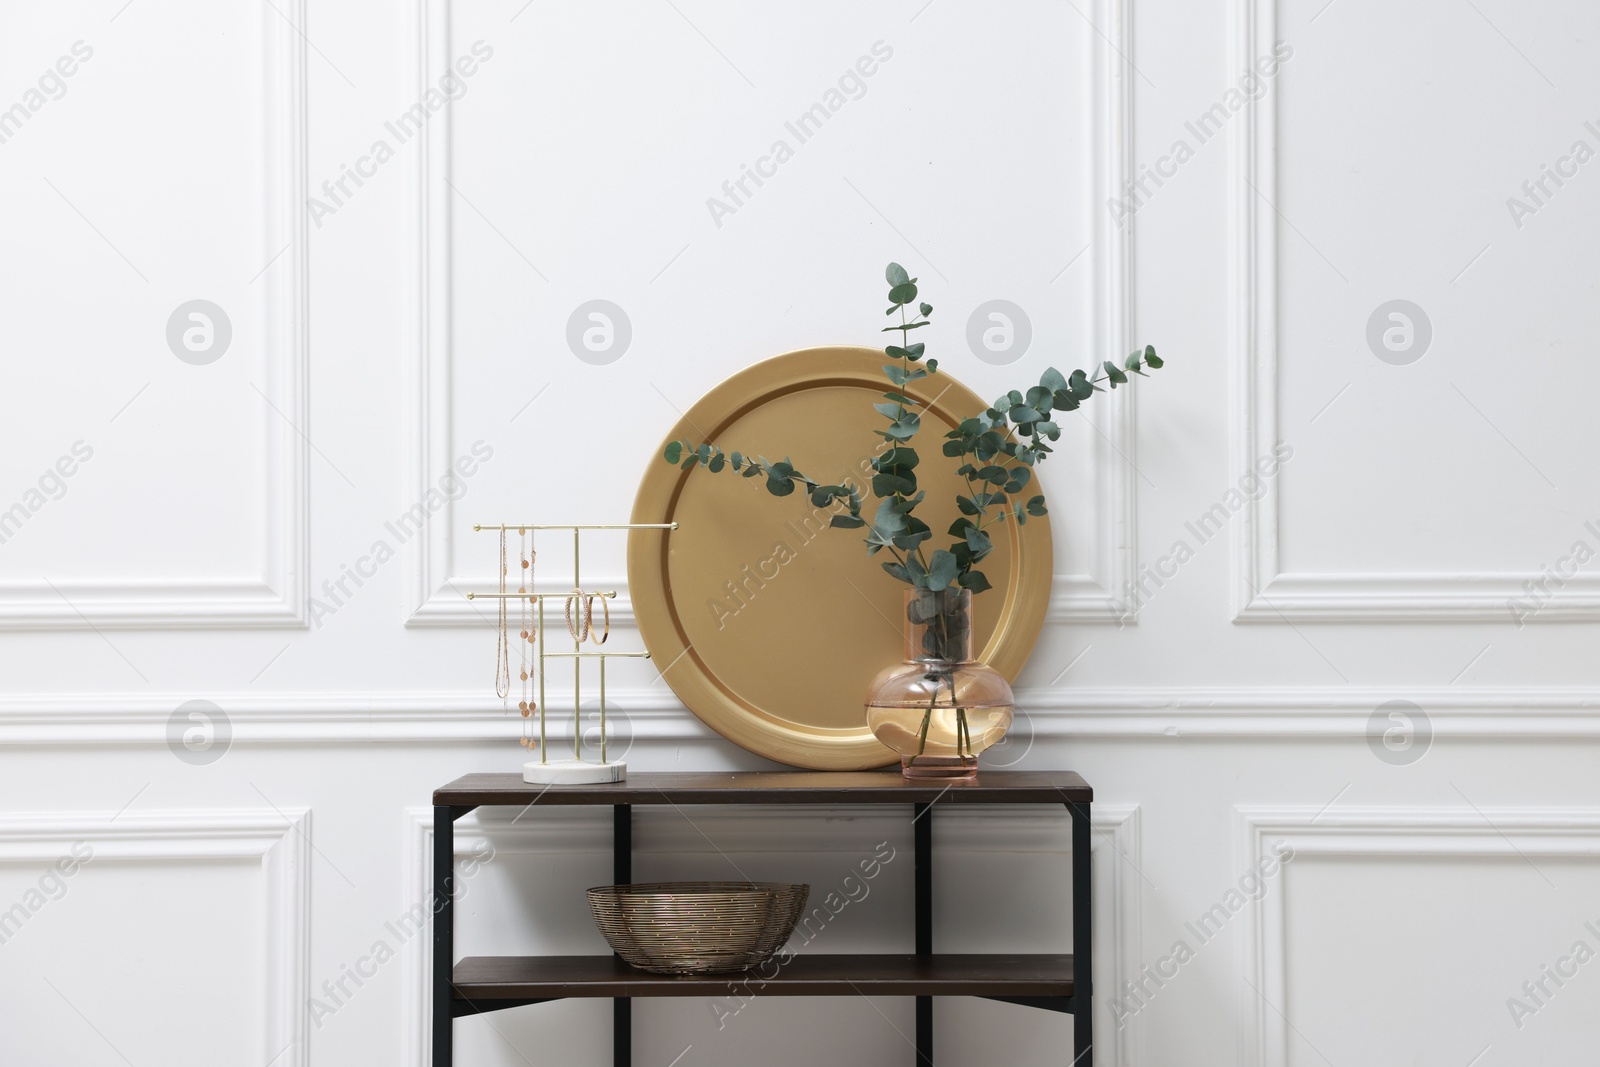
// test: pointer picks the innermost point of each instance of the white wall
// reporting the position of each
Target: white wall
(1243, 701)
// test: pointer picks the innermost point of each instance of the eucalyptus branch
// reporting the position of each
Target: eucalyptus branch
(998, 450)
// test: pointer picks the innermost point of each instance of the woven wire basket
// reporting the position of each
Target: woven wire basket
(697, 927)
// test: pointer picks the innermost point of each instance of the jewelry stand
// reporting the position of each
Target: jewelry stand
(577, 770)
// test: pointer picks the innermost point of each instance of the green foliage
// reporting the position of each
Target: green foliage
(998, 448)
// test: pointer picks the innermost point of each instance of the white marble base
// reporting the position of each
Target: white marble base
(573, 772)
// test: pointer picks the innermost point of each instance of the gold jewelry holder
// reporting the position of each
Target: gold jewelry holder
(577, 770)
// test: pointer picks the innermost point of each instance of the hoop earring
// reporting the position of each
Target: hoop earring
(579, 630)
(605, 607)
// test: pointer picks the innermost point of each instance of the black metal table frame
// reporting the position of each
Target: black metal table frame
(446, 1008)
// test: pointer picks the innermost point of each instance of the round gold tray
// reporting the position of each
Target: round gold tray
(767, 624)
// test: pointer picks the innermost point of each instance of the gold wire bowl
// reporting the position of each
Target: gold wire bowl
(697, 927)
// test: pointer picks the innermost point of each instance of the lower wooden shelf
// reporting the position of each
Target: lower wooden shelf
(484, 983)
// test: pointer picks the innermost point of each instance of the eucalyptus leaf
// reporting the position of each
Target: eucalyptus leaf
(891, 484)
(896, 458)
(906, 505)
(888, 518)
(905, 427)
(942, 570)
(908, 542)
(975, 582)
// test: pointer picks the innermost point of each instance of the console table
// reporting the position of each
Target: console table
(478, 984)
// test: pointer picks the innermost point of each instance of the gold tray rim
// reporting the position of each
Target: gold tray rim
(1026, 588)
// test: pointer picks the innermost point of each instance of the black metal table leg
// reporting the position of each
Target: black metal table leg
(443, 904)
(622, 874)
(922, 835)
(1082, 940)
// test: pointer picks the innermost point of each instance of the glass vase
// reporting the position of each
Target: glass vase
(940, 707)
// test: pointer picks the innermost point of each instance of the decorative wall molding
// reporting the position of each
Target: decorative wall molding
(656, 718)
(416, 1027)
(1115, 847)
(430, 597)
(1480, 596)
(1117, 851)
(1252, 327)
(1100, 595)
(1263, 591)
(435, 597)
(278, 598)
(1388, 831)
(277, 838)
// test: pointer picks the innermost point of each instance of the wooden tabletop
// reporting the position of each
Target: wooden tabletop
(774, 787)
